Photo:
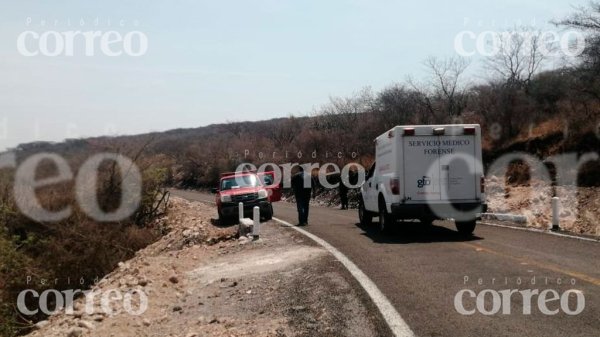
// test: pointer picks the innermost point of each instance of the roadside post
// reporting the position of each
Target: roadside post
(555, 214)
(240, 217)
(256, 227)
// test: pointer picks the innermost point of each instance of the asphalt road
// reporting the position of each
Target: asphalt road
(421, 270)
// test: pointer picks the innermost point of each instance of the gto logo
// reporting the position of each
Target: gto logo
(549, 301)
(425, 181)
(54, 43)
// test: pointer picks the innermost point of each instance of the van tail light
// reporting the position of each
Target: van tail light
(409, 131)
(395, 186)
(469, 130)
(482, 184)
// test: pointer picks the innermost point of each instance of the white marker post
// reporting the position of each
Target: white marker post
(256, 226)
(240, 218)
(555, 214)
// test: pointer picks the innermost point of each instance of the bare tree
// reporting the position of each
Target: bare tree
(235, 128)
(285, 132)
(342, 113)
(518, 57)
(422, 97)
(587, 20)
(447, 83)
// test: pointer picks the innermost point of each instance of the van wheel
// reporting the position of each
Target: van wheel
(466, 227)
(365, 217)
(427, 220)
(269, 213)
(385, 220)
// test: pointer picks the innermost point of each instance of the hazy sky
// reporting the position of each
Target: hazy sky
(213, 61)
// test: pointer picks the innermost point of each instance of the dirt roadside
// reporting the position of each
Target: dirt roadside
(201, 280)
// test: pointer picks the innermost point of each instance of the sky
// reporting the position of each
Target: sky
(217, 61)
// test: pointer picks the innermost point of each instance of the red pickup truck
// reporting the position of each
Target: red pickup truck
(250, 188)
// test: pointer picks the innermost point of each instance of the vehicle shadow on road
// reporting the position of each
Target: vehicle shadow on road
(405, 232)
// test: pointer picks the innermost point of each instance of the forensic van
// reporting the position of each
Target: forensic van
(425, 172)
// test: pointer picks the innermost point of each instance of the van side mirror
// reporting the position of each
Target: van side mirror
(214, 190)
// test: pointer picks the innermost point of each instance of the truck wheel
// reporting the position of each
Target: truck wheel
(365, 217)
(385, 220)
(466, 227)
(269, 213)
(223, 221)
(427, 220)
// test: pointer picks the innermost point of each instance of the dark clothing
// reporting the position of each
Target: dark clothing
(343, 195)
(302, 204)
(301, 184)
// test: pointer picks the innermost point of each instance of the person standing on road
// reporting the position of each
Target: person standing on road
(302, 186)
(343, 194)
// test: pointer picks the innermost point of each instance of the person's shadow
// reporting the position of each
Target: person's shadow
(404, 232)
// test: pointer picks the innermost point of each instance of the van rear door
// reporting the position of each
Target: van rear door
(439, 168)
(458, 177)
(421, 168)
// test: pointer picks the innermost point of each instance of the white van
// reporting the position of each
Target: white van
(425, 172)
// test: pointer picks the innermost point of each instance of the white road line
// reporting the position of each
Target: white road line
(391, 316)
(537, 230)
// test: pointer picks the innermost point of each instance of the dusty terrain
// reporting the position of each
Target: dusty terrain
(201, 280)
(579, 206)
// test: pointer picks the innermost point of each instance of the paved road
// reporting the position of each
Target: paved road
(421, 270)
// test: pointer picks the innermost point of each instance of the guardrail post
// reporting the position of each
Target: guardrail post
(555, 214)
(240, 217)
(256, 226)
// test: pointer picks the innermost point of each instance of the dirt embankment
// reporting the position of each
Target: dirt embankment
(579, 206)
(201, 280)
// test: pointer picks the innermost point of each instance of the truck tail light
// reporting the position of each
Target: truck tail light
(482, 184)
(395, 186)
(469, 130)
(409, 131)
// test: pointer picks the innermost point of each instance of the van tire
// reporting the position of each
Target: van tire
(466, 227)
(365, 217)
(269, 214)
(385, 219)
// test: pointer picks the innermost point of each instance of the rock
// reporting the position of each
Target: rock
(174, 279)
(177, 308)
(229, 284)
(191, 334)
(85, 324)
(75, 332)
(146, 322)
(41, 324)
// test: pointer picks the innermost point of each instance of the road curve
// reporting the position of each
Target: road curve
(421, 271)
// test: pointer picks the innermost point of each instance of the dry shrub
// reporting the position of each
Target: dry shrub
(75, 249)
